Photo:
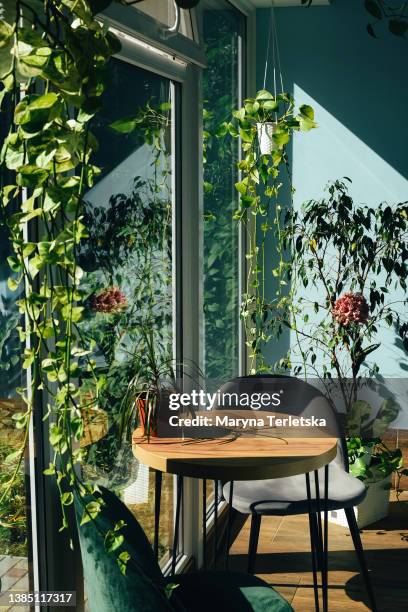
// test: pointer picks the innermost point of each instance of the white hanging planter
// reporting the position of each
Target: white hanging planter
(265, 132)
(373, 508)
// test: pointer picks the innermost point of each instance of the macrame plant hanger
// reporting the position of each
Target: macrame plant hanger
(266, 129)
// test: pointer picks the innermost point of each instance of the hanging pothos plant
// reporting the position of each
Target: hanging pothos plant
(260, 199)
(53, 60)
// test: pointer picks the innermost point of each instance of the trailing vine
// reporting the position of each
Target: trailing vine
(54, 55)
(260, 206)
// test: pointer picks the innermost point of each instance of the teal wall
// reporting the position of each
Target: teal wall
(358, 87)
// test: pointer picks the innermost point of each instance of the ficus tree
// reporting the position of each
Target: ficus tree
(346, 268)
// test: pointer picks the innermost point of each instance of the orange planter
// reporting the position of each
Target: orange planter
(149, 428)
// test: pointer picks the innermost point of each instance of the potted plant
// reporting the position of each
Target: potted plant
(140, 406)
(259, 192)
(155, 376)
(273, 119)
(372, 461)
(346, 276)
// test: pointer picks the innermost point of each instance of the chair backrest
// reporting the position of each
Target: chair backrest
(141, 589)
(299, 398)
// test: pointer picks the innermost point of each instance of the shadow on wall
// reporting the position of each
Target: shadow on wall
(360, 80)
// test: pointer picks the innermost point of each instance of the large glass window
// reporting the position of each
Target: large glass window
(222, 28)
(128, 267)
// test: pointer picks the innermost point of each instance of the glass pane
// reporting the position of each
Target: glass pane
(222, 27)
(127, 261)
(165, 12)
(14, 537)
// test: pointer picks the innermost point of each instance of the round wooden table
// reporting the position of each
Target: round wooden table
(244, 457)
(255, 456)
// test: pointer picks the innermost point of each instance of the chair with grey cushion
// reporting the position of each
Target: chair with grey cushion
(288, 496)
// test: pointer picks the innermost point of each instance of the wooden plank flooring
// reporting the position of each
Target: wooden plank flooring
(284, 561)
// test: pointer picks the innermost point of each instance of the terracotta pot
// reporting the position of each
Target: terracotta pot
(149, 428)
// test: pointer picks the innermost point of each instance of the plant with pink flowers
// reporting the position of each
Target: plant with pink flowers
(350, 308)
(109, 300)
(347, 279)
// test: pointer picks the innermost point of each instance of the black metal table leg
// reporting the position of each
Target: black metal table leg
(229, 523)
(325, 580)
(157, 501)
(215, 522)
(177, 523)
(314, 537)
(204, 510)
(319, 522)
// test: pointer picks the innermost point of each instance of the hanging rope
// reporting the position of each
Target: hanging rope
(273, 34)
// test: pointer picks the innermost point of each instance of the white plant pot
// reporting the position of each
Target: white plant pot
(265, 132)
(373, 508)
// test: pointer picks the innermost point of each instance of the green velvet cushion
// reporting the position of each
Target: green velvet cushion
(142, 589)
(226, 591)
(107, 589)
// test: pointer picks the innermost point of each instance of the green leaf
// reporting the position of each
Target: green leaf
(239, 114)
(281, 137)
(242, 188)
(31, 176)
(245, 135)
(306, 111)
(123, 560)
(50, 471)
(169, 588)
(35, 113)
(371, 31)
(14, 263)
(373, 8)
(306, 124)
(43, 103)
(6, 32)
(398, 27)
(92, 509)
(13, 456)
(263, 94)
(67, 498)
(13, 283)
(124, 126)
(113, 541)
(270, 105)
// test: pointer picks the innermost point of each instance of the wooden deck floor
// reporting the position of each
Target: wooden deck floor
(284, 561)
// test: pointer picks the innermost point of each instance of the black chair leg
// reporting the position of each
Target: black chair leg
(253, 541)
(319, 540)
(355, 534)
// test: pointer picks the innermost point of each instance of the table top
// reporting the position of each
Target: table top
(245, 457)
